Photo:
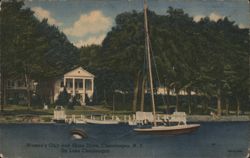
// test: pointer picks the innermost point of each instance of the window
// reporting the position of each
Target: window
(69, 83)
(88, 84)
(19, 84)
(11, 84)
(81, 85)
(78, 83)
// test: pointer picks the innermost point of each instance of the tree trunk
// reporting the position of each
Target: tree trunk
(3, 91)
(143, 92)
(238, 106)
(124, 99)
(52, 83)
(105, 97)
(177, 101)
(168, 99)
(27, 81)
(227, 107)
(207, 103)
(51, 96)
(136, 88)
(219, 102)
(189, 101)
(113, 103)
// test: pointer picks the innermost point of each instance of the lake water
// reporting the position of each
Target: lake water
(212, 140)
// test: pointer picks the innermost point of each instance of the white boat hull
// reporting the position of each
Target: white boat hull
(178, 129)
(80, 122)
(103, 122)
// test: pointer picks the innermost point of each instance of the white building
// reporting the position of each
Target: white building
(162, 90)
(16, 91)
(78, 82)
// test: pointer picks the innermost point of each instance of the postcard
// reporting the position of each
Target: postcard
(124, 79)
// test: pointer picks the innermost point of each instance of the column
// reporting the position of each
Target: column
(64, 82)
(92, 89)
(74, 89)
(83, 91)
(92, 85)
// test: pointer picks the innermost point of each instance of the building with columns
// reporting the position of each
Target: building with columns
(78, 82)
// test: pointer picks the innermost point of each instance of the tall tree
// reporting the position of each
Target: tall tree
(197, 58)
(31, 49)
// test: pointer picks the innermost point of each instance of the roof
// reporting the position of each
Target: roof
(78, 72)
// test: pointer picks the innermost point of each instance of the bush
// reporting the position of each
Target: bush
(36, 101)
(63, 98)
(73, 102)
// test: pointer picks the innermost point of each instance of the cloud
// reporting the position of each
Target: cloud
(243, 26)
(92, 40)
(92, 23)
(197, 18)
(215, 17)
(212, 16)
(41, 14)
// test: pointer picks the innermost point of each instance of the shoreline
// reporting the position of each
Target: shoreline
(209, 118)
(47, 119)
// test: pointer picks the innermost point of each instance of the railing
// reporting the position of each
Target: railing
(130, 119)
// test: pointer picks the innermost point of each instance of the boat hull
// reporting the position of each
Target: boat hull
(80, 122)
(171, 130)
(102, 122)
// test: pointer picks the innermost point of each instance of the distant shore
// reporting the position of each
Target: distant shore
(209, 118)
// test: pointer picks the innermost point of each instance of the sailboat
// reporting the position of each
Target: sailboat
(180, 128)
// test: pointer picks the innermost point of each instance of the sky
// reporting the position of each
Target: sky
(87, 22)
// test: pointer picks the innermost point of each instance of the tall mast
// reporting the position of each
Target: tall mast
(149, 59)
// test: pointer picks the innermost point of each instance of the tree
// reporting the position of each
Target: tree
(123, 43)
(13, 18)
(63, 98)
(196, 58)
(32, 49)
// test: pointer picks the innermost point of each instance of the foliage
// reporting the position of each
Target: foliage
(32, 49)
(63, 98)
(206, 57)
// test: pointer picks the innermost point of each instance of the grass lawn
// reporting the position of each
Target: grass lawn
(21, 113)
(19, 110)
